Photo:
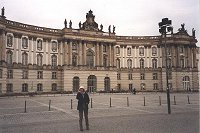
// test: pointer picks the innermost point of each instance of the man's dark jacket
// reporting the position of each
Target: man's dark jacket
(82, 102)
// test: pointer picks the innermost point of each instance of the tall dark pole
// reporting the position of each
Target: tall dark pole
(165, 26)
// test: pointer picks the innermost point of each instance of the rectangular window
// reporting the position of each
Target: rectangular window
(117, 50)
(155, 76)
(24, 87)
(119, 76)
(129, 51)
(0, 88)
(155, 86)
(142, 76)
(54, 75)
(39, 44)
(10, 74)
(25, 74)
(130, 76)
(130, 86)
(9, 88)
(40, 74)
(104, 48)
(141, 51)
(119, 87)
(1, 73)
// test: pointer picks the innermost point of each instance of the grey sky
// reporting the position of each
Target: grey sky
(131, 17)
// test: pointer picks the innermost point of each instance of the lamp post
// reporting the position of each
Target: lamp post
(164, 28)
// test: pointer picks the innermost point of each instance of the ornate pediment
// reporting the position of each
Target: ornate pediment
(90, 23)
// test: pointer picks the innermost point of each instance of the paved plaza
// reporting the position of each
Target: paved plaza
(108, 113)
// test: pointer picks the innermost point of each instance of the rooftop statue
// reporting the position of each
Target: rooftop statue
(65, 23)
(193, 32)
(70, 24)
(3, 12)
(90, 23)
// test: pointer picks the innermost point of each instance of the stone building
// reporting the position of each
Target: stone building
(39, 59)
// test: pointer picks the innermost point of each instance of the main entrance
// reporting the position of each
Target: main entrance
(92, 83)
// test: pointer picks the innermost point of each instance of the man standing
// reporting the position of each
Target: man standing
(83, 101)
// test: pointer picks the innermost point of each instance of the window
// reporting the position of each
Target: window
(105, 61)
(141, 51)
(118, 76)
(169, 74)
(74, 60)
(104, 48)
(25, 74)
(9, 88)
(54, 46)
(1, 73)
(141, 63)
(154, 51)
(182, 63)
(119, 87)
(39, 44)
(40, 74)
(39, 87)
(117, 50)
(118, 63)
(54, 87)
(155, 76)
(130, 76)
(9, 40)
(9, 74)
(39, 60)
(181, 49)
(25, 59)
(129, 63)
(24, 43)
(142, 86)
(168, 51)
(54, 75)
(186, 83)
(155, 86)
(54, 60)
(129, 51)
(74, 46)
(24, 87)
(142, 76)
(0, 88)
(9, 56)
(90, 58)
(130, 87)
(154, 63)
(169, 64)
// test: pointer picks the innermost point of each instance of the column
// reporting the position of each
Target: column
(65, 52)
(110, 55)
(97, 54)
(84, 53)
(80, 59)
(70, 53)
(100, 55)
(113, 56)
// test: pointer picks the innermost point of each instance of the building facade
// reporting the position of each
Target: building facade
(39, 59)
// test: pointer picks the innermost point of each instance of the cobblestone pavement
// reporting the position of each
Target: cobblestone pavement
(108, 113)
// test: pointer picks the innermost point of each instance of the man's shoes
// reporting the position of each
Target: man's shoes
(87, 128)
(81, 129)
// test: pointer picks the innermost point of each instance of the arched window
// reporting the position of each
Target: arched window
(90, 58)
(24, 42)
(154, 51)
(9, 40)
(107, 84)
(186, 83)
(117, 50)
(92, 83)
(9, 58)
(74, 59)
(105, 61)
(54, 87)
(118, 63)
(76, 84)
(129, 63)
(39, 60)
(154, 63)
(54, 46)
(141, 63)
(39, 44)
(24, 59)
(54, 60)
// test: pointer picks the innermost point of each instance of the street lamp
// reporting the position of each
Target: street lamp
(164, 28)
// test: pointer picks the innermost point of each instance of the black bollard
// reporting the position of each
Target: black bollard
(188, 99)
(91, 102)
(71, 104)
(144, 102)
(25, 107)
(110, 101)
(160, 100)
(127, 102)
(49, 105)
(174, 100)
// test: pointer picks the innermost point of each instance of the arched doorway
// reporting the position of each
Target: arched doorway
(107, 84)
(186, 83)
(76, 82)
(92, 83)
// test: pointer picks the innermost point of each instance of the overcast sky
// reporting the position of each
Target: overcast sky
(131, 17)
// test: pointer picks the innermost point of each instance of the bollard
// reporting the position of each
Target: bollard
(25, 107)
(174, 100)
(160, 100)
(91, 102)
(127, 102)
(110, 101)
(144, 102)
(49, 105)
(71, 104)
(188, 99)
